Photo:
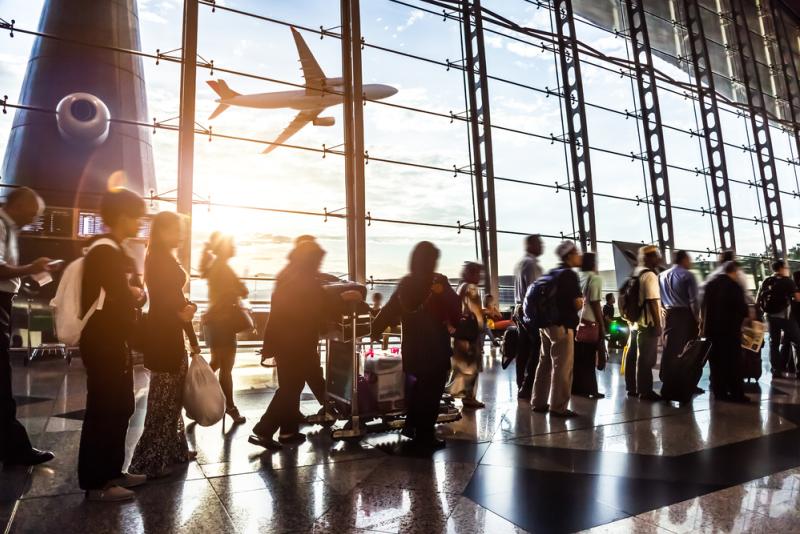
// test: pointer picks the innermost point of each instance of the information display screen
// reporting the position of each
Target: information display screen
(91, 224)
(55, 222)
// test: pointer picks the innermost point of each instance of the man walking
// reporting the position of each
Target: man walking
(678, 290)
(554, 372)
(724, 311)
(774, 299)
(22, 206)
(647, 330)
(525, 273)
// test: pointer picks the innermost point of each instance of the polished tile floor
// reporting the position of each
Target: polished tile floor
(622, 466)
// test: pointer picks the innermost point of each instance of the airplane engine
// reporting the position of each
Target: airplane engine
(324, 121)
(83, 118)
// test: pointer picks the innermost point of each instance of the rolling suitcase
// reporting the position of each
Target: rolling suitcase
(751, 364)
(684, 374)
(508, 347)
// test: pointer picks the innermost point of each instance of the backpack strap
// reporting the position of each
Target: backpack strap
(101, 297)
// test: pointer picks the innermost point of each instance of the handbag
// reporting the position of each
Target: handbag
(234, 317)
(467, 328)
(588, 332)
(203, 398)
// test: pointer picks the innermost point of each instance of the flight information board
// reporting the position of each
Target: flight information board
(54, 222)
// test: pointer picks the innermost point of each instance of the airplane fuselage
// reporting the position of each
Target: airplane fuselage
(301, 100)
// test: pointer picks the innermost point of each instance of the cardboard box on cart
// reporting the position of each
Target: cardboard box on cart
(387, 381)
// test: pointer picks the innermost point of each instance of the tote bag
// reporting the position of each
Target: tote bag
(203, 398)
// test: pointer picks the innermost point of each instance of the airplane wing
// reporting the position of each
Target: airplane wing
(302, 118)
(315, 78)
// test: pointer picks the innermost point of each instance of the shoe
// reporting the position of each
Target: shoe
(699, 391)
(238, 419)
(472, 403)
(633, 394)
(650, 396)
(597, 396)
(34, 457)
(292, 439)
(541, 409)
(264, 441)
(564, 414)
(110, 494)
(129, 480)
(191, 456)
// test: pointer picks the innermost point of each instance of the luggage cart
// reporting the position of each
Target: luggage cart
(342, 369)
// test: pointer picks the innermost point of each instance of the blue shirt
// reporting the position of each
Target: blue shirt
(678, 289)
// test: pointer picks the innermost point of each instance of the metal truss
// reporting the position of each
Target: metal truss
(481, 133)
(651, 121)
(759, 123)
(712, 128)
(788, 69)
(572, 84)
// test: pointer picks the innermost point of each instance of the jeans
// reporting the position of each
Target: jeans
(554, 373)
(779, 356)
(14, 442)
(641, 358)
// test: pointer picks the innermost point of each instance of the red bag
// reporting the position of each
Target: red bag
(588, 332)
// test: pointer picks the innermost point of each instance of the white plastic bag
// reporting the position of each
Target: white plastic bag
(203, 398)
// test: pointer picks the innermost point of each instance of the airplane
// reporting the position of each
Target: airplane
(310, 101)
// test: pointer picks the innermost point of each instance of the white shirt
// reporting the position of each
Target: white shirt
(648, 290)
(9, 251)
(592, 288)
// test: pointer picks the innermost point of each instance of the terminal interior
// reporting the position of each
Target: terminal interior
(372, 126)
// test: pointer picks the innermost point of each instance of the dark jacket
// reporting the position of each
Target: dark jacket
(425, 343)
(110, 269)
(724, 308)
(165, 347)
(299, 312)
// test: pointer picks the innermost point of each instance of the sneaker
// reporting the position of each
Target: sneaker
(33, 457)
(292, 439)
(651, 396)
(110, 494)
(565, 414)
(472, 403)
(264, 441)
(129, 480)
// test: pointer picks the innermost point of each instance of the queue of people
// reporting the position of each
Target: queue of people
(561, 323)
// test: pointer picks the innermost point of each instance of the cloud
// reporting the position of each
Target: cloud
(522, 49)
(414, 17)
(494, 41)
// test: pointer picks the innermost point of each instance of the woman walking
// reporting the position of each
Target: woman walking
(589, 345)
(299, 313)
(468, 338)
(163, 442)
(225, 292)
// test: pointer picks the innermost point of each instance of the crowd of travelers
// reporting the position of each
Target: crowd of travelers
(559, 320)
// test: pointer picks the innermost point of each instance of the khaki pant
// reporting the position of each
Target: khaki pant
(554, 373)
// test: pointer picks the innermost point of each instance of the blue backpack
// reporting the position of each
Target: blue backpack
(540, 308)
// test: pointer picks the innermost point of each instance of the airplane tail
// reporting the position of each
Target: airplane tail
(222, 89)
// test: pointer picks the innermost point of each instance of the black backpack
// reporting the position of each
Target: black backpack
(628, 298)
(769, 299)
(540, 308)
(508, 347)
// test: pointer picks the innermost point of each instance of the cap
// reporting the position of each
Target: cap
(565, 248)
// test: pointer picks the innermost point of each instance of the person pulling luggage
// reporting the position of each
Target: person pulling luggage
(775, 296)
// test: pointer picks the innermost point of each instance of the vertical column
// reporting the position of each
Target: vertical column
(651, 122)
(359, 192)
(347, 115)
(576, 123)
(759, 123)
(788, 69)
(186, 126)
(712, 129)
(481, 133)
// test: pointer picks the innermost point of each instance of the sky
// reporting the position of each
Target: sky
(234, 172)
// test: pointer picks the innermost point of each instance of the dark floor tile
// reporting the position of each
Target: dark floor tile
(182, 507)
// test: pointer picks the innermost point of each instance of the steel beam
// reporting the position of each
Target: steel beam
(359, 193)
(481, 133)
(186, 126)
(788, 69)
(712, 128)
(651, 122)
(572, 84)
(347, 117)
(759, 124)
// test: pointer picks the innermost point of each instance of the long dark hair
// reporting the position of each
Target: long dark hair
(217, 246)
(161, 223)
